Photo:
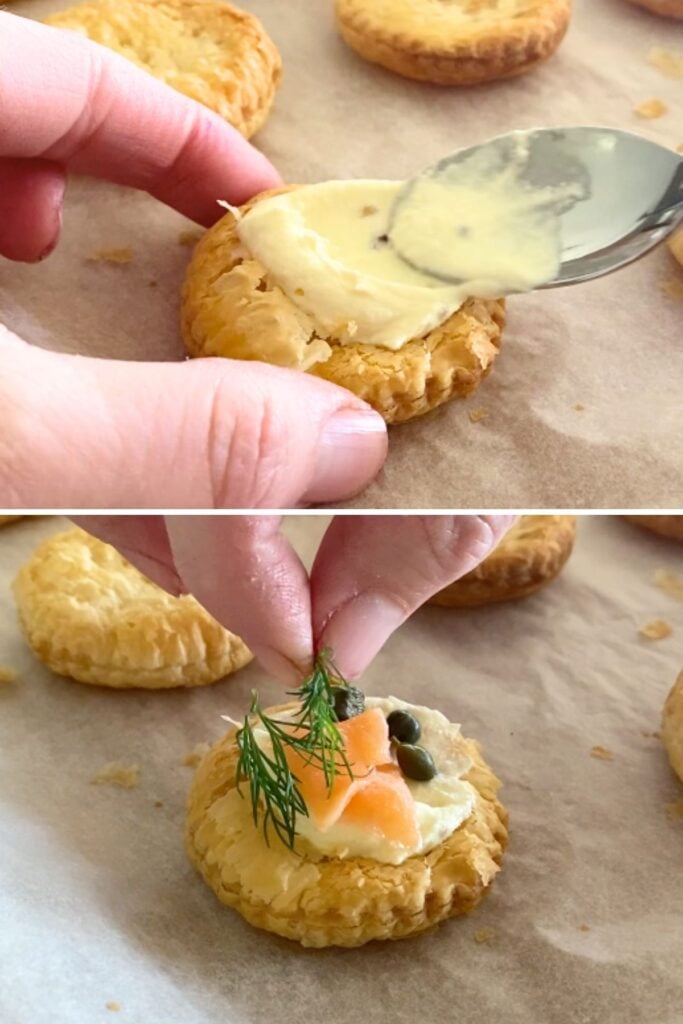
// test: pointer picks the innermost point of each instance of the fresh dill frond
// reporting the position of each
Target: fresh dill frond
(318, 718)
(313, 732)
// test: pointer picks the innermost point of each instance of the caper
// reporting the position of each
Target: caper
(404, 727)
(415, 762)
(349, 701)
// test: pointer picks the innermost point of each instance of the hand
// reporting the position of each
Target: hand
(67, 104)
(369, 575)
(86, 433)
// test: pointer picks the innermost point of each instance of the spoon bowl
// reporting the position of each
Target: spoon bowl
(628, 191)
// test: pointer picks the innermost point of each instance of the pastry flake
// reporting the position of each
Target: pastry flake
(666, 61)
(601, 754)
(116, 773)
(658, 629)
(650, 110)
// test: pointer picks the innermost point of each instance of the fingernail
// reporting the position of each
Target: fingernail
(357, 631)
(276, 664)
(351, 451)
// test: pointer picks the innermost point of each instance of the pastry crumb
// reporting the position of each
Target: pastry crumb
(484, 935)
(655, 630)
(192, 759)
(7, 675)
(114, 1007)
(115, 773)
(672, 287)
(650, 109)
(476, 415)
(158, 803)
(584, 928)
(669, 582)
(666, 61)
(602, 754)
(367, 211)
(189, 238)
(675, 810)
(679, 147)
(123, 255)
(578, 407)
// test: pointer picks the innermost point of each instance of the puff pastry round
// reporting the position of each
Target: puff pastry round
(676, 241)
(531, 554)
(667, 8)
(327, 901)
(665, 526)
(4, 520)
(231, 309)
(672, 726)
(89, 614)
(207, 49)
(459, 42)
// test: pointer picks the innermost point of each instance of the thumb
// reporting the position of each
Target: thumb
(91, 433)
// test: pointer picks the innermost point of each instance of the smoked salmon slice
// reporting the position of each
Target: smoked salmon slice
(385, 805)
(376, 798)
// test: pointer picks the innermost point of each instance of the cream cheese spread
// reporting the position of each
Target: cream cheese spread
(442, 804)
(369, 269)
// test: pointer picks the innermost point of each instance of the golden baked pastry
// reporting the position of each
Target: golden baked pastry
(676, 241)
(665, 526)
(207, 49)
(4, 520)
(667, 8)
(672, 726)
(461, 42)
(230, 308)
(330, 901)
(89, 614)
(531, 554)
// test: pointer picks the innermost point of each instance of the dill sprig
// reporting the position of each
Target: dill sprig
(313, 732)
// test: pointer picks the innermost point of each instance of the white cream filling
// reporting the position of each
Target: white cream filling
(333, 248)
(442, 804)
(319, 244)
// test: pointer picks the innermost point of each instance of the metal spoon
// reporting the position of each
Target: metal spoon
(629, 192)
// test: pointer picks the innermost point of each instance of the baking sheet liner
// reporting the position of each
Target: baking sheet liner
(583, 926)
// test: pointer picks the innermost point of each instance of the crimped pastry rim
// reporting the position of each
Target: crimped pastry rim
(670, 527)
(476, 327)
(518, 566)
(175, 642)
(672, 726)
(492, 52)
(255, 65)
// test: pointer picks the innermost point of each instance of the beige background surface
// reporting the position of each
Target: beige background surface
(98, 903)
(613, 346)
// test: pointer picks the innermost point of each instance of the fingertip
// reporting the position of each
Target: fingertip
(352, 449)
(31, 203)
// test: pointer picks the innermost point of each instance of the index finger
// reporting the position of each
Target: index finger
(66, 99)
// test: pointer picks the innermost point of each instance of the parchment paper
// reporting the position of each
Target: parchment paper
(612, 347)
(98, 902)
